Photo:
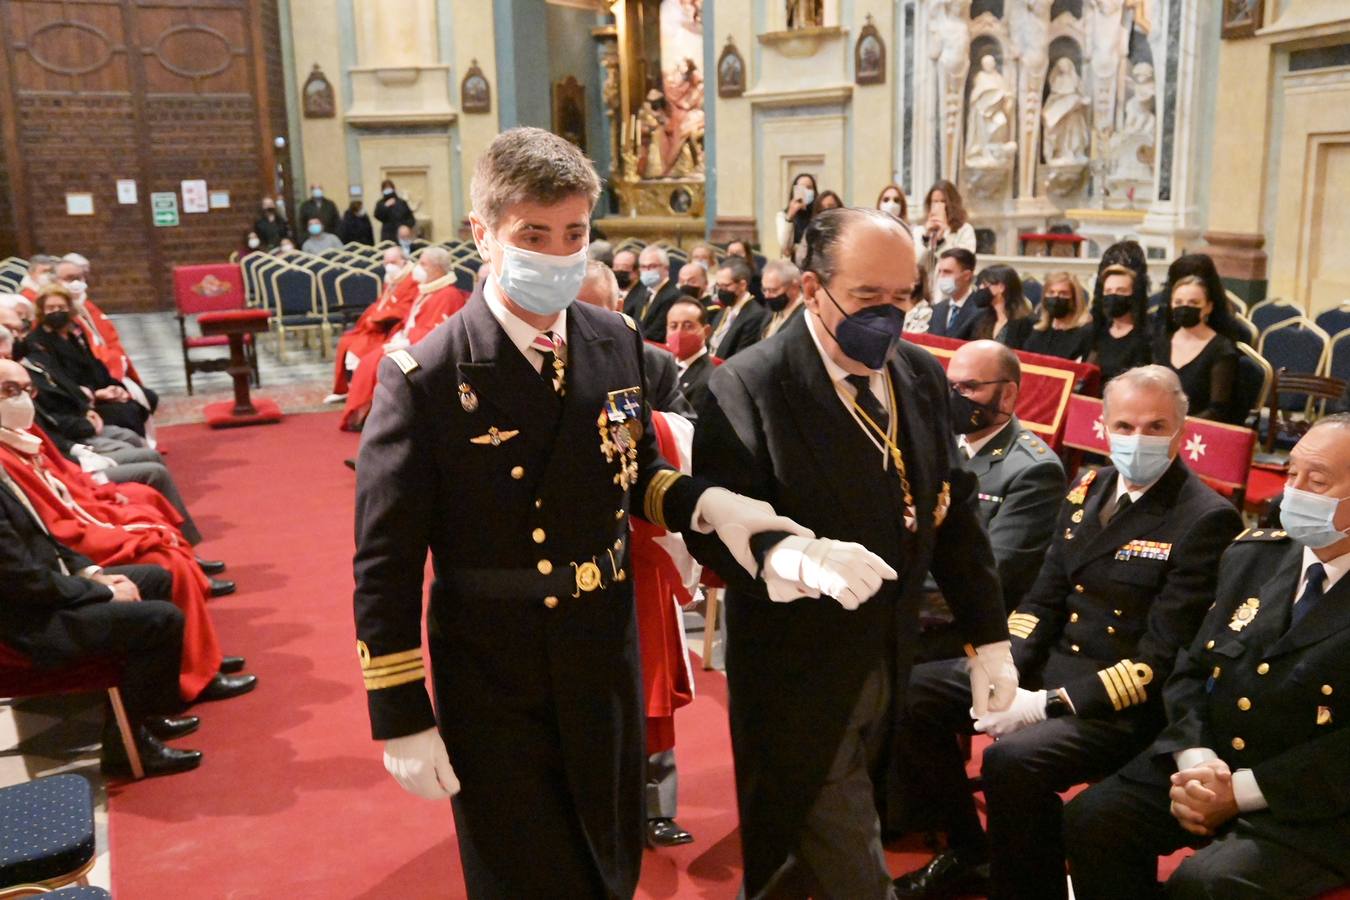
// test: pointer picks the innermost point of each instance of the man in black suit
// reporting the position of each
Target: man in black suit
(648, 306)
(687, 335)
(839, 423)
(1124, 586)
(626, 273)
(739, 320)
(1253, 768)
(60, 609)
(954, 316)
(512, 443)
(317, 206)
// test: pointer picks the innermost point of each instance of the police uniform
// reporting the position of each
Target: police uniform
(1110, 609)
(1262, 695)
(522, 496)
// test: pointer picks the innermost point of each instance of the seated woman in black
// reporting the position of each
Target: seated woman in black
(1123, 342)
(57, 344)
(1007, 314)
(1064, 328)
(1193, 347)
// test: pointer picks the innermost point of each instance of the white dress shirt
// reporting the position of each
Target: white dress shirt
(521, 333)
(684, 364)
(972, 448)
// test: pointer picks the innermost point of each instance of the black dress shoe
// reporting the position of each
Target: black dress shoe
(666, 833)
(221, 588)
(223, 687)
(350, 463)
(156, 758)
(210, 566)
(947, 875)
(166, 728)
(231, 665)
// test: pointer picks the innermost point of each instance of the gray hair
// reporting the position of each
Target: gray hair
(784, 271)
(739, 268)
(1340, 420)
(438, 257)
(596, 271)
(530, 164)
(43, 259)
(601, 251)
(1153, 377)
(655, 250)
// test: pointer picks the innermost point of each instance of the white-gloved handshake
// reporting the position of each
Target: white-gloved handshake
(993, 682)
(805, 567)
(420, 765)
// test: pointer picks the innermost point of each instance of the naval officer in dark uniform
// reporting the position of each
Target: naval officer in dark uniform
(514, 442)
(1254, 766)
(1123, 588)
(838, 423)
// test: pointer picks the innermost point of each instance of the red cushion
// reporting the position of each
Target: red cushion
(198, 289)
(20, 678)
(234, 315)
(217, 340)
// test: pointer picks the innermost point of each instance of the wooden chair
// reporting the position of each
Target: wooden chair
(1318, 389)
(201, 289)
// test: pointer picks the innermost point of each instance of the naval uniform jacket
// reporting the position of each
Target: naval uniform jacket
(1113, 605)
(1270, 698)
(470, 453)
(773, 427)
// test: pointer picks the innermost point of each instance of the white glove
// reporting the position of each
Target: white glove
(1027, 709)
(91, 461)
(850, 573)
(735, 518)
(420, 765)
(992, 672)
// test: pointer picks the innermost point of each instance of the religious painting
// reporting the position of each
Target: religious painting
(805, 14)
(869, 56)
(1241, 18)
(318, 96)
(569, 110)
(676, 116)
(475, 94)
(730, 72)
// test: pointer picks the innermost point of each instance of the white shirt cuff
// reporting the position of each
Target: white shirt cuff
(1189, 759)
(90, 571)
(1247, 792)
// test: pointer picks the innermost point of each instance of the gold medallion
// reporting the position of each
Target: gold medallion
(1243, 615)
(588, 577)
(467, 398)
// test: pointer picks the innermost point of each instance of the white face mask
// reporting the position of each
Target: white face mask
(391, 271)
(317, 193)
(77, 287)
(891, 207)
(419, 274)
(947, 286)
(16, 413)
(254, 243)
(541, 283)
(808, 196)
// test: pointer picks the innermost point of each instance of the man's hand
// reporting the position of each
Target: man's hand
(113, 394)
(1027, 708)
(1202, 797)
(795, 205)
(420, 765)
(123, 588)
(993, 678)
(736, 518)
(96, 420)
(850, 573)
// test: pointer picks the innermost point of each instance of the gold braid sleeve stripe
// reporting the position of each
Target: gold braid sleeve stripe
(1022, 624)
(389, 659)
(391, 670)
(1126, 683)
(653, 503)
(418, 673)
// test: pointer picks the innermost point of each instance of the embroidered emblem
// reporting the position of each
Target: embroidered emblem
(1243, 615)
(495, 436)
(1080, 490)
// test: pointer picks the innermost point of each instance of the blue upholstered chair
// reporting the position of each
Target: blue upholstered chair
(46, 833)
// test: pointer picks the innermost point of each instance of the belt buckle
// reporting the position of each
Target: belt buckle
(587, 577)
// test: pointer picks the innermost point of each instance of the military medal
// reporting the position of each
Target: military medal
(620, 426)
(1077, 517)
(1324, 715)
(944, 502)
(495, 436)
(1079, 492)
(1244, 614)
(467, 398)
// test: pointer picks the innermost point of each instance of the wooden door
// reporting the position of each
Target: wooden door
(159, 91)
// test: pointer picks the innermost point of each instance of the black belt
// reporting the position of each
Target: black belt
(573, 579)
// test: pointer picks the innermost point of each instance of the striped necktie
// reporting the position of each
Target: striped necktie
(552, 349)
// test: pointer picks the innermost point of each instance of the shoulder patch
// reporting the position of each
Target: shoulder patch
(628, 320)
(1261, 534)
(404, 360)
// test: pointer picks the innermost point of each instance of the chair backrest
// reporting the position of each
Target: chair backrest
(199, 289)
(1155, 301)
(1295, 344)
(357, 289)
(464, 277)
(1254, 377)
(1338, 357)
(1248, 330)
(1239, 305)
(297, 292)
(1333, 321)
(1031, 289)
(1268, 313)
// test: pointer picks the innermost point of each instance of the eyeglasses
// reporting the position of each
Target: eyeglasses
(966, 388)
(12, 389)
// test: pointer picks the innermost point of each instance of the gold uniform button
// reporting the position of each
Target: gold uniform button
(551, 602)
(1263, 668)
(1110, 629)
(1073, 617)
(538, 535)
(1244, 704)
(538, 504)
(618, 515)
(1239, 744)
(1326, 690)
(1209, 645)
(545, 567)
(1073, 647)
(1118, 613)
(618, 545)
(1078, 588)
(1217, 672)
(518, 472)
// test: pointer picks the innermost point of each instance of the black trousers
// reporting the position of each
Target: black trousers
(1022, 775)
(145, 639)
(125, 414)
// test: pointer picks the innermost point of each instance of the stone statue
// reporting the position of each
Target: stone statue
(805, 13)
(1108, 42)
(949, 48)
(1029, 27)
(1066, 116)
(1140, 117)
(989, 116)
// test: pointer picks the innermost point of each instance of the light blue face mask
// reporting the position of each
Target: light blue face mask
(539, 282)
(1141, 458)
(1309, 518)
(650, 277)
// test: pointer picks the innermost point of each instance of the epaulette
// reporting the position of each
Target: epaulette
(1079, 493)
(1262, 534)
(628, 320)
(404, 360)
(1032, 444)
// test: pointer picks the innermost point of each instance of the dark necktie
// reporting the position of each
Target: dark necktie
(867, 401)
(952, 313)
(1122, 503)
(1312, 594)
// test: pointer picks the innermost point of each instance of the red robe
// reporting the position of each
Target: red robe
(376, 323)
(139, 502)
(659, 593)
(113, 534)
(101, 335)
(439, 301)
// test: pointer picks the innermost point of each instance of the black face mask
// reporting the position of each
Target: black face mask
(1058, 307)
(1186, 316)
(727, 298)
(623, 278)
(691, 290)
(57, 320)
(1116, 307)
(982, 298)
(777, 304)
(19, 350)
(969, 416)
